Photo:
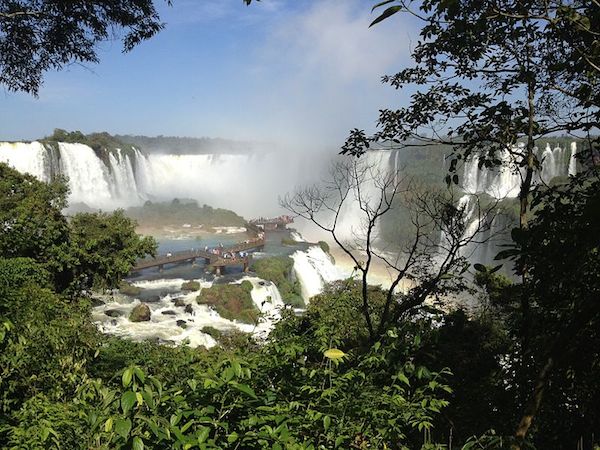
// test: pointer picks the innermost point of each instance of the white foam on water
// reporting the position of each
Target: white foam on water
(165, 327)
(297, 237)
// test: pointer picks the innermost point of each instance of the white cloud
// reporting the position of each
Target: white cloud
(320, 69)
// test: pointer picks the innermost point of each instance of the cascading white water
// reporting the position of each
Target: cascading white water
(88, 176)
(177, 317)
(502, 183)
(32, 158)
(314, 268)
(377, 165)
(573, 160)
(125, 185)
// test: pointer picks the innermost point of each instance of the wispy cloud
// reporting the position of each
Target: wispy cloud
(323, 67)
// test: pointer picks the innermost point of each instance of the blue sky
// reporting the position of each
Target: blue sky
(300, 71)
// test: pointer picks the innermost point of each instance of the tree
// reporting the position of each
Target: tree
(487, 77)
(106, 247)
(41, 35)
(425, 266)
(92, 250)
(491, 74)
(560, 252)
(31, 222)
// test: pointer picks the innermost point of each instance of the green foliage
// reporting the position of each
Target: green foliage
(32, 225)
(231, 301)
(102, 143)
(90, 251)
(106, 247)
(168, 213)
(212, 332)
(247, 286)
(31, 46)
(190, 286)
(338, 313)
(279, 270)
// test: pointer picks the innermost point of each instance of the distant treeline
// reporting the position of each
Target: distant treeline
(185, 145)
(103, 141)
(180, 211)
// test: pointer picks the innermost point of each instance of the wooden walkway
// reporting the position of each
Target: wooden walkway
(214, 259)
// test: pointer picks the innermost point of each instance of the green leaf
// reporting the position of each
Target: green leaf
(334, 354)
(123, 427)
(245, 389)
(326, 422)
(203, 434)
(232, 437)
(403, 378)
(128, 399)
(138, 444)
(139, 374)
(496, 269)
(381, 4)
(126, 378)
(108, 425)
(479, 267)
(387, 13)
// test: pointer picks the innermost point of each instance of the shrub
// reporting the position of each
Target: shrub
(278, 270)
(231, 301)
(247, 286)
(212, 332)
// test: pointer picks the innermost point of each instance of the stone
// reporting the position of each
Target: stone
(182, 324)
(169, 313)
(179, 302)
(189, 309)
(97, 302)
(140, 313)
(113, 313)
(152, 299)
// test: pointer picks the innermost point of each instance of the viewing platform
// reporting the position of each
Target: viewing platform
(217, 258)
(272, 224)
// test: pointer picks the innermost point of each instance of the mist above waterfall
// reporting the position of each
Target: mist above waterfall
(249, 183)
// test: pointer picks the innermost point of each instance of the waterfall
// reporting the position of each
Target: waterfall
(87, 174)
(32, 158)
(314, 268)
(378, 164)
(124, 185)
(504, 183)
(113, 179)
(573, 160)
